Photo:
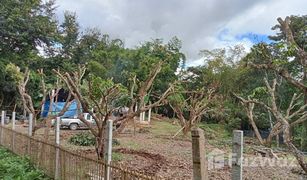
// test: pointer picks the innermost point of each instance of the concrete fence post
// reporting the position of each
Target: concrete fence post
(144, 115)
(13, 120)
(237, 155)
(30, 132)
(2, 124)
(2, 118)
(57, 154)
(30, 124)
(108, 150)
(149, 116)
(200, 166)
(13, 132)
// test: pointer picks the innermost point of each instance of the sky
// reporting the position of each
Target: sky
(199, 24)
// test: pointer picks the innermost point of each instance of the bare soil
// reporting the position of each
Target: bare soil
(153, 151)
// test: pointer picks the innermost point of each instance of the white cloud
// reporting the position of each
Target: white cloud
(260, 18)
(198, 23)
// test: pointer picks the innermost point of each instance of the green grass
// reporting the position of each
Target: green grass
(19, 168)
(217, 135)
(117, 156)
(130, 144)
(215, 131)
(161, 128)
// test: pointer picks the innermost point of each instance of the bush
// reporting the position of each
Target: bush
(83, 139)
(87, 139)
(14, 167)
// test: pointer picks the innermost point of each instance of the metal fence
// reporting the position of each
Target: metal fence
(56, 161)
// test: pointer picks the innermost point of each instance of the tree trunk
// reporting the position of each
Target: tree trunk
(99, 148)
(298, 155)
(186, 129)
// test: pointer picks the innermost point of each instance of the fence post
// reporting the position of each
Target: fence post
(237, 155)
(149, 116)
(144, 115)
(13, 132)
(141, 116)
(30, 132)
(30, 124)
(200, 167)
(2, 124)
(13, 120)
(57, 142)
(108, 150)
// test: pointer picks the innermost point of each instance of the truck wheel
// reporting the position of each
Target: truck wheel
(73, 126)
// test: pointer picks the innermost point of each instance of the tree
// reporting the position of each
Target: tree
(69, 31)
(30, 106)
(295, 114)
(25, 27)
(288, 59)
(21, 79)
(224, 73)
(100, 98)
(190, 106)
(203, 87)
(277, 57)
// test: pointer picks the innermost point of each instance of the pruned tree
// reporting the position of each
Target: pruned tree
(295, 114)
(22, 79)
(291, 45)
(100, 98)
(190, 106)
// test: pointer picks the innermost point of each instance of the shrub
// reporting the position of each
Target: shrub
(87, 139)
(83, 139)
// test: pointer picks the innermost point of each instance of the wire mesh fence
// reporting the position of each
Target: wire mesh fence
(59, 162)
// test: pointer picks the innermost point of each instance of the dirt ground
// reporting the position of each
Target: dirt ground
(154, 151)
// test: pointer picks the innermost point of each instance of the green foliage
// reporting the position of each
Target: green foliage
(14, 72)
(87, 139)
(233, 124)
(177, 98)
(97, 69)
(258, 92)
(83, 139)
(13, 167)
(27, 24)
(117, 93)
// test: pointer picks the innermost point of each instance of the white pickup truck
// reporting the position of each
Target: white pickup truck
(75, 123)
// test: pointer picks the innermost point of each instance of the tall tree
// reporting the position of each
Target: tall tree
(287, 57)
(27, 29)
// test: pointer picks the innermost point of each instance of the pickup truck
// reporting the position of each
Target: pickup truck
(74, 123)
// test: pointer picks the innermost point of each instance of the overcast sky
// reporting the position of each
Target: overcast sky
(200, 24)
